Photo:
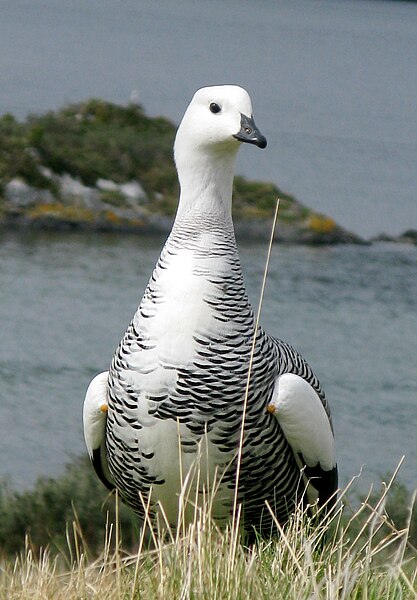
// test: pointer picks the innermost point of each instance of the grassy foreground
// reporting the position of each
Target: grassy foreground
(365, 556)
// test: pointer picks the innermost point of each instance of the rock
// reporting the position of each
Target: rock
(106, 185)
(72, 191)
(20, 195)
(408, 237)
(46, 172)
(383, 237)
(134, 192)
(293, 233)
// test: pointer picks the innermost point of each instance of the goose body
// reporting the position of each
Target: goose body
(176, 385)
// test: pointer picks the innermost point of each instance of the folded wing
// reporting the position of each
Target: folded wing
(306, 426)
(94, 420)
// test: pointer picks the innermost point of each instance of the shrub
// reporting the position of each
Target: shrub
(43, 512)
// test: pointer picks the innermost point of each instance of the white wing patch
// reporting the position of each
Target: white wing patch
(304, 421)
(94, 421)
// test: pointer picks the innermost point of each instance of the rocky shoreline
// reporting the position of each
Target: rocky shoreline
(124, 208)
(407, 237)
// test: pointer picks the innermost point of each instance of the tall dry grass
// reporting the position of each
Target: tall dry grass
(348, 555)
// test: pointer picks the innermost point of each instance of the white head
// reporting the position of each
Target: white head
(218, 118)
(216, 121)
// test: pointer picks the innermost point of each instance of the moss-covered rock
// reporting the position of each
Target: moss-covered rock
(96, 165)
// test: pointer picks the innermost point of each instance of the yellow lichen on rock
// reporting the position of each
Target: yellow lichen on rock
(321, 224)
(61, 212)
(112, 217)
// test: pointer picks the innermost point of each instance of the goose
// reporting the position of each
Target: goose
(175, 390)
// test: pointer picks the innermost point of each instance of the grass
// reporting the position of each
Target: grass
(365, 556)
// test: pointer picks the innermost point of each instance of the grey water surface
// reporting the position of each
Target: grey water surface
(66, 299)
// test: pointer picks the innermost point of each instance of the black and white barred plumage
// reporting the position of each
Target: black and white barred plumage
(177, 381)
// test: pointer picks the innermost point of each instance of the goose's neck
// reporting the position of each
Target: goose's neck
(206, 182)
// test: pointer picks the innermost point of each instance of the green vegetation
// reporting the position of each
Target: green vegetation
(16, 158)
(90, 141)
(43, 512)
(101, 140)
(370, 552)
(257, 199)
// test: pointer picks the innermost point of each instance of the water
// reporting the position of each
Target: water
(333, 82)
(65, 301)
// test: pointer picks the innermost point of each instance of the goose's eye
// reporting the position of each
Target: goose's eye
(214, 108)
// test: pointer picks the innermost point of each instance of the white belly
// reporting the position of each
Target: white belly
(190, 478)
(168, 320)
